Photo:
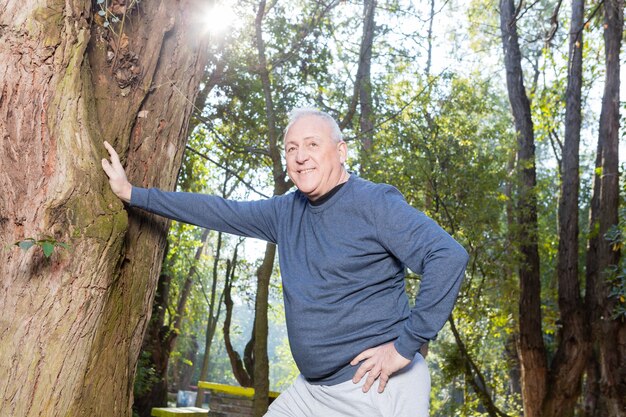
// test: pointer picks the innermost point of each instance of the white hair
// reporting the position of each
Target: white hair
(300, 112)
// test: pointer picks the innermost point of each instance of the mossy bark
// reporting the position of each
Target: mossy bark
(72, 324)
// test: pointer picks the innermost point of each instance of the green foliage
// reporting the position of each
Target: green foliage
(145, 377)
(448, 155)
(46, 243)
(445, 140)
(616, 276)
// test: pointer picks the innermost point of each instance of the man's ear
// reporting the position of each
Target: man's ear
(342, 148)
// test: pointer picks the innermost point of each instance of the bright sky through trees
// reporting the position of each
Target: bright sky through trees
(219, 17)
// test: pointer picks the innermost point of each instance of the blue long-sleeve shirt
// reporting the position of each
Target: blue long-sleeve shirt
(342, 264)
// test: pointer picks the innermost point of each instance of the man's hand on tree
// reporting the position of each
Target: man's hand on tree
(381, 362)
(117, 176)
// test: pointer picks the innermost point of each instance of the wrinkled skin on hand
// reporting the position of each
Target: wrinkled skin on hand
(381, 362)
(117, 176)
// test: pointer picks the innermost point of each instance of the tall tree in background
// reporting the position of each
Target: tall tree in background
(531, 346)
(570, 359)
(79, 74)
(607, 370)
(362, 92)
(366, 115)
(555, 390)
(281, 185)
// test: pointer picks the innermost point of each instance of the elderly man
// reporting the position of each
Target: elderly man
(344, 244)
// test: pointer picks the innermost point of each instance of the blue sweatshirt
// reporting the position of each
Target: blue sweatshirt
(342, 265)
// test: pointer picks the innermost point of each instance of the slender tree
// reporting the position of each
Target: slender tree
(564, 380)
(362, 89)
(243, 368)
(264, 272)
(531, 346)
(215, 307)
(366, 115)
(607, 385)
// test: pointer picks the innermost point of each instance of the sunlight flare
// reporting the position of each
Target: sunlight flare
(219, 18)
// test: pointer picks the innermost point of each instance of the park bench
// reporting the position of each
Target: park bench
(231, 401)
(179, 412)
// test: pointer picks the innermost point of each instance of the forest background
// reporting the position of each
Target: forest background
(500, 120)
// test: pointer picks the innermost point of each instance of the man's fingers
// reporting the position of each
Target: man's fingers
(359, 374)
(109, 147)
(107, 168)
(366, 354)
(369, 381)
(113, 168)
(115, 158)
(117, 176)
(356, 360)
(382, 382)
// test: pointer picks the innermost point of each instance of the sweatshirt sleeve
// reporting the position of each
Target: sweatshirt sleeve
(255, 219)
(424, 247)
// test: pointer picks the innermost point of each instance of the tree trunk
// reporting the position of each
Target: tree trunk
(243, 374)
(161, 339)
(154, 345)
(429, 37)
(570, 359)
(264, 273)
(474, 377)
(362, 83)
(72, 324)
(531, 347)
(261, 360)
(608, 334)
(366, 117)
(185, 374)
(215, 304)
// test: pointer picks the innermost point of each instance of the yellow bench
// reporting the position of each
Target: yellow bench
(180, 411)
(229, 389)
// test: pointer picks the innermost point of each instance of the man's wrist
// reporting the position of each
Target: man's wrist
(127, 193)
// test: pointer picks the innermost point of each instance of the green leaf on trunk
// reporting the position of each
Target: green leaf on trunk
(25, 244)
(48, 248)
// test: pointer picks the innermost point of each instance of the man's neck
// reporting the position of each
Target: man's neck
(321, 200)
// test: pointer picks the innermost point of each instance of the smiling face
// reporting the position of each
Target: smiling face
(314, 159)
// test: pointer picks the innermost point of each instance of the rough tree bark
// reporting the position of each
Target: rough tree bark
(607, 372)
(72, 325)
(531, 347)
(570, 359)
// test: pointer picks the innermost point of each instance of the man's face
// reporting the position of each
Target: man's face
(314, 159)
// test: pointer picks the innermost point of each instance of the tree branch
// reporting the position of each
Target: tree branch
(208, 158)
(475, 377)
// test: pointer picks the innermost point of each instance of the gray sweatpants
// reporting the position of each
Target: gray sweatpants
(406, 395)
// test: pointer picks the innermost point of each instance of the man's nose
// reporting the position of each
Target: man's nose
(302, 155)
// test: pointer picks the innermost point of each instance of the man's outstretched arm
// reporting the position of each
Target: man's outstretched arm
(117, 176)
(244, 218)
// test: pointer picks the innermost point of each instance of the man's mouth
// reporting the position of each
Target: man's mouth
(305, 171)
